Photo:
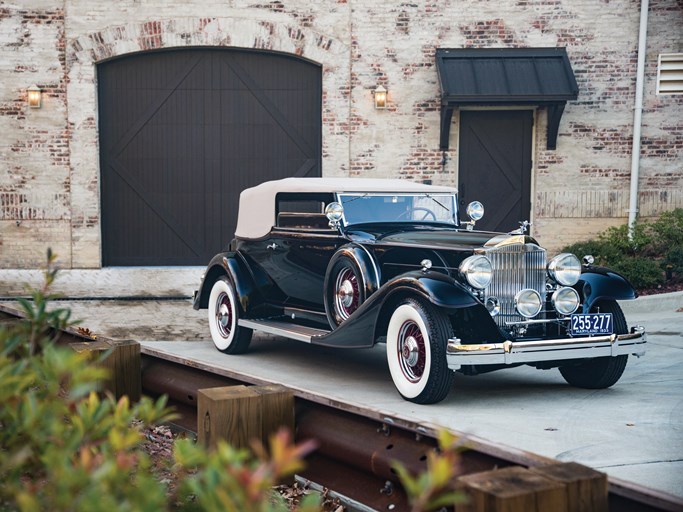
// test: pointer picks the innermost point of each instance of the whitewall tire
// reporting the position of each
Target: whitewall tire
(416, 352)
(224, 313)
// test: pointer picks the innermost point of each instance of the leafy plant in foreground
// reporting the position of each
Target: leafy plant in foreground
(64, 446)
(437, 487)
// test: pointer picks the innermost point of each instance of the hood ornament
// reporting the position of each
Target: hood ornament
(523, 228)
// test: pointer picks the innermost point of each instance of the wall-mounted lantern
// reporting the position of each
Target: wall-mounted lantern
(34, 96)
(380, 97)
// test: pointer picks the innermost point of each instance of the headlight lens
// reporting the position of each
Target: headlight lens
(334, 212)
(528, 303)
(565, 269)
(475, 210)
(565, 300)
(477, 271)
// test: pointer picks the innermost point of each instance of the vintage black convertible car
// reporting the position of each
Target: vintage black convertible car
(352, 262)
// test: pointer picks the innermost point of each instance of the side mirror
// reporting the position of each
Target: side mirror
(334, 212)
(475, 211)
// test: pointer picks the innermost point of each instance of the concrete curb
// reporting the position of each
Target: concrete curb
(653, 303)
(107, 282)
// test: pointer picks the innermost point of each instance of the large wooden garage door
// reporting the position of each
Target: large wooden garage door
(182, 132)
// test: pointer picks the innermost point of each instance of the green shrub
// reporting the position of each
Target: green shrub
(644, 259)
(617, 237)
(667, 230)
(674, 259)
(604, 253)
(641, 272)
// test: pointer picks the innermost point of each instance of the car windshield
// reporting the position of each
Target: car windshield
(423, 208)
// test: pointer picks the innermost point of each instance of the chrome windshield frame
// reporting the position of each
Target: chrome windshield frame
(453, 198)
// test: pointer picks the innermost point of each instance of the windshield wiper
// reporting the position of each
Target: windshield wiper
(439, 203)
(353, 199)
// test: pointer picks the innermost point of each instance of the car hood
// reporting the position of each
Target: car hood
(436, 238)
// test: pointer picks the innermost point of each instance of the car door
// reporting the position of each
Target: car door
(297, 262)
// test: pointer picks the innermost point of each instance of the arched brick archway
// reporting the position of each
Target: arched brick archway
(86, 51)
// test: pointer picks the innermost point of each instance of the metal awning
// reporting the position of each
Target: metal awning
(505, 76)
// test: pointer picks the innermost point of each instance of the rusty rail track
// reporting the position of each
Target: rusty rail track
(357, 446)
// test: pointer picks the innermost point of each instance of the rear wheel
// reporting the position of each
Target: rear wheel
(600, 372)
(416, 352)
(224, 311)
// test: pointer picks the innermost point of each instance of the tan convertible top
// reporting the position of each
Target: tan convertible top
(257, 204)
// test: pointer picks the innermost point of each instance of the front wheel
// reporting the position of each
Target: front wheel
(416, 352)
(599, 372)
(224, 311)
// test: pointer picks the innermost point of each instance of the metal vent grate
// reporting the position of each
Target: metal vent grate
(670, 73)
(515, 267)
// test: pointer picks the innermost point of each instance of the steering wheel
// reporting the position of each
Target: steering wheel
(427, 213)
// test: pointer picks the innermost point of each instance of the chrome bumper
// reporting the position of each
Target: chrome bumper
(514, 352)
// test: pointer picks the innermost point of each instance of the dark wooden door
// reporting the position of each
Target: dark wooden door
(183, 132)
(495, 166)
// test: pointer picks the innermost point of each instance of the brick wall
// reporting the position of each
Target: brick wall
(35, 170)
(49, 160)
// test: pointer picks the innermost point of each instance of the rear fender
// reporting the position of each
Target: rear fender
(599, 283)
(232, 265)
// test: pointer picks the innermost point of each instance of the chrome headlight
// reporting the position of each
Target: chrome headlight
(565, 301)
(334, 213)
(565, 269)
(477, 271)
(528, 303)
(475, 211)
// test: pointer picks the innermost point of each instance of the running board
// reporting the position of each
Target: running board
(285, 329)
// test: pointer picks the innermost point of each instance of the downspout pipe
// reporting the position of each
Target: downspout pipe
(637, 118)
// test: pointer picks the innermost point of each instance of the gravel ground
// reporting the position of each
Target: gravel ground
(158, 445)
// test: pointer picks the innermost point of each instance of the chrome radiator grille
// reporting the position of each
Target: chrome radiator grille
(515, 267)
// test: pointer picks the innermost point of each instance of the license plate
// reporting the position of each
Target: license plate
(591, 323)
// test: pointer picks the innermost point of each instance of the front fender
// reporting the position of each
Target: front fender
(439, 289)
(361, 328)
(232, 265)
(598, 283)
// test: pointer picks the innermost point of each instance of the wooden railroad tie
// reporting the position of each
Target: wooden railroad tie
(241, 414)
(560, 487)
(123, 363)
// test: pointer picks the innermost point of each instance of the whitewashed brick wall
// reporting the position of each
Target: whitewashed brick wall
(49, 160)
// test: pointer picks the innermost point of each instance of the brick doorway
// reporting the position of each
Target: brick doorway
(495, 165)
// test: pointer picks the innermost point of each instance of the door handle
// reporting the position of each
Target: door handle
(272, 246)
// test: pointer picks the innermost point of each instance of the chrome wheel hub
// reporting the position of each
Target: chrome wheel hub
(410, 351)
(345, 293)
(224, 316)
